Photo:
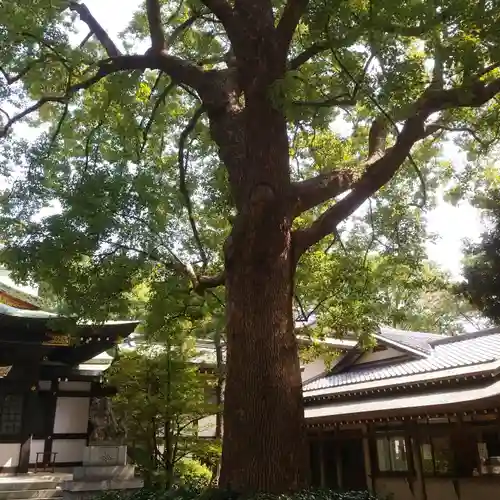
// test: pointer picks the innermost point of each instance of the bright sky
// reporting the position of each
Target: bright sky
(452, 224)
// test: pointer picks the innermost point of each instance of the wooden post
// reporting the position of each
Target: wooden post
(414, 438)
(30, 379)
(338, 463)
(28, 423)
(368, 462)
(322, 476)
(50, 417)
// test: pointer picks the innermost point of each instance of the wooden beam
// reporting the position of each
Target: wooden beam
(370, 481)
(50, 418)
(30, 415)
(28, 424)
(417, 460)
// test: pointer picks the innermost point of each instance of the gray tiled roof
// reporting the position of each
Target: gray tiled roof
(419, 341)
(449, 352)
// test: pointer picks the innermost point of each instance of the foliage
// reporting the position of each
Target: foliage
(113, 167)
(160, 403)
(192, 475)
(193, 494)
(481, 266)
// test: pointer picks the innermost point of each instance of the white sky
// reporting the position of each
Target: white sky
(452, 224)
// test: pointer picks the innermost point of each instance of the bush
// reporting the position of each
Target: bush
(192, 475)
(190, 492)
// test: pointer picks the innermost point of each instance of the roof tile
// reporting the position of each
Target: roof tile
(449, 352)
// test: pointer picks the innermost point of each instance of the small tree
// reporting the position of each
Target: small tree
(160, 399)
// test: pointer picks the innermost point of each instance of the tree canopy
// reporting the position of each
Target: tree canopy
(230, 143)
(481, 266)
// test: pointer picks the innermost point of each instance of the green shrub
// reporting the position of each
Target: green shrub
(191, 492)
(192, 475)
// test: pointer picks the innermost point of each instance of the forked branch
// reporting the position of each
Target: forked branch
(384, 163)
(292, 13)
(101, 35)
(225, 14)
(153, 10)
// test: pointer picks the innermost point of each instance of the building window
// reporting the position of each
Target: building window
(392, 453)
(437, 456)
(11, 412)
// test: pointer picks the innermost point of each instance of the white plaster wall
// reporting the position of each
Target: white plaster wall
(313, 370)
(74, 386)
(37, 446)
(69, 450)
(206, 426)
(369, 357)
(9, 454)
(72, 415)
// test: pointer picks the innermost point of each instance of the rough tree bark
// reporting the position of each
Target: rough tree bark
(264, 444)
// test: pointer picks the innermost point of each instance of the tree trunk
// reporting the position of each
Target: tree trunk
(219, 392)
(264, 442)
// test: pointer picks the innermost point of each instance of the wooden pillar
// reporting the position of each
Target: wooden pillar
(338, 463)
(414, 438)
(370, 483)
(50, 417)
(322, 476)
(30, 379)
(28, 424)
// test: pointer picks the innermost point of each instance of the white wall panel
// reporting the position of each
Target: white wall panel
(72, 415)
(9, 454)
(69, 450)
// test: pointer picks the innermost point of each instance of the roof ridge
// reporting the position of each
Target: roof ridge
(21, 295)
(451, 339)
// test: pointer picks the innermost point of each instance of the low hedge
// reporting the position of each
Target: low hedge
(215, 494)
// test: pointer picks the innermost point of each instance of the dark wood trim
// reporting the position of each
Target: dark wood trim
(70, 435)
(11, 439)
(50, 418)
(415, 434)
(73, 394)
(31, 375)
(28, 424)
(61, 465)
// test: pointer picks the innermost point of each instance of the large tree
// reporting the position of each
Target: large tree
(481, 265)
(244, 93)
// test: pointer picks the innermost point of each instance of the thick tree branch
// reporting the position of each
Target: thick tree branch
(383, 164)
(206, 282)
(101, 35)
(292, 13)
(178, 69)
(325, 186)
(379, 171)
(224, 13)
(308, 54)
(153, 10)
(200, 283)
